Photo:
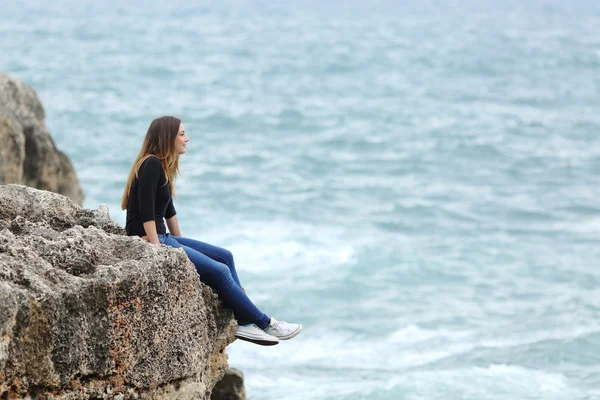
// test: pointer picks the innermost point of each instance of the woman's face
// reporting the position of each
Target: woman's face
(181, 140)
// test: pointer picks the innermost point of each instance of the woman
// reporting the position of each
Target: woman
(147, 198)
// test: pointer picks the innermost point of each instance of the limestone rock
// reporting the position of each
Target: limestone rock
(230, 387)
(89, 313)
(28, 154)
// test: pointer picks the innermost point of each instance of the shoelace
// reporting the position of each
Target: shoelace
(275, 324)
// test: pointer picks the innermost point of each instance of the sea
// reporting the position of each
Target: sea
(417, 183)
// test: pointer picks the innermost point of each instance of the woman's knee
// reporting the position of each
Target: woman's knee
(219, 275)
(227, 257)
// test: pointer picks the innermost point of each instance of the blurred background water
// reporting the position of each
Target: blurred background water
(417, 184)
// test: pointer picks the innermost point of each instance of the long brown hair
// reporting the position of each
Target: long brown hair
(159, 142)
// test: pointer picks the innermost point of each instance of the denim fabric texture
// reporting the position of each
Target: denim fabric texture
(216, 268)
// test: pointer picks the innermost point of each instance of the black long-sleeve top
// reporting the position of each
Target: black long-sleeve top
(149, 199)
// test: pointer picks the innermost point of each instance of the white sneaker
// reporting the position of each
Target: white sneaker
(252, 333)
(283, 330)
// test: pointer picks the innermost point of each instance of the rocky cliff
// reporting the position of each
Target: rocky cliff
(27, 152)
(89, 313)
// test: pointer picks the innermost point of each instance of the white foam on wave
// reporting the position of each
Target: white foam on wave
(340, 349)
(283, 245)
(498, 381)
(583, 226)
(326, 363)
(292, 384)
(534, 379)
(521, 339)
(411, 350)
(414, 334)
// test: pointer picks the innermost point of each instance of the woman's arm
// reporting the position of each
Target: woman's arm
(150, 228)
(173, 225)
(148, 177)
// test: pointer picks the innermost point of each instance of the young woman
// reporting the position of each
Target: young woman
(148, 199)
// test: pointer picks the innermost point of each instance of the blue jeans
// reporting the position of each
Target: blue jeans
(217, 269)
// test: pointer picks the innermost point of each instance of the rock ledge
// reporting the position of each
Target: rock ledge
(87, 312)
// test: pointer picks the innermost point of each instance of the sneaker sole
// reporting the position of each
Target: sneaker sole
(291, 335)
(261, 342)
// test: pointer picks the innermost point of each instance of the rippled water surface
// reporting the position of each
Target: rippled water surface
(418, 185)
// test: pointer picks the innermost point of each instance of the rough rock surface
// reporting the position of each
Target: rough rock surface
(89, 313)
(231, 387)
(28, 154)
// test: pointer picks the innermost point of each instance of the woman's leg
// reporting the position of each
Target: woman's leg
(218, 276)
(216, 253)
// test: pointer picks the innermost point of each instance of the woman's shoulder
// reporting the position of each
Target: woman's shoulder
(152, 162)
(151, 159)
(151, 165)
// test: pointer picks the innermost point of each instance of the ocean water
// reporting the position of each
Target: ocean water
(419, 185)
